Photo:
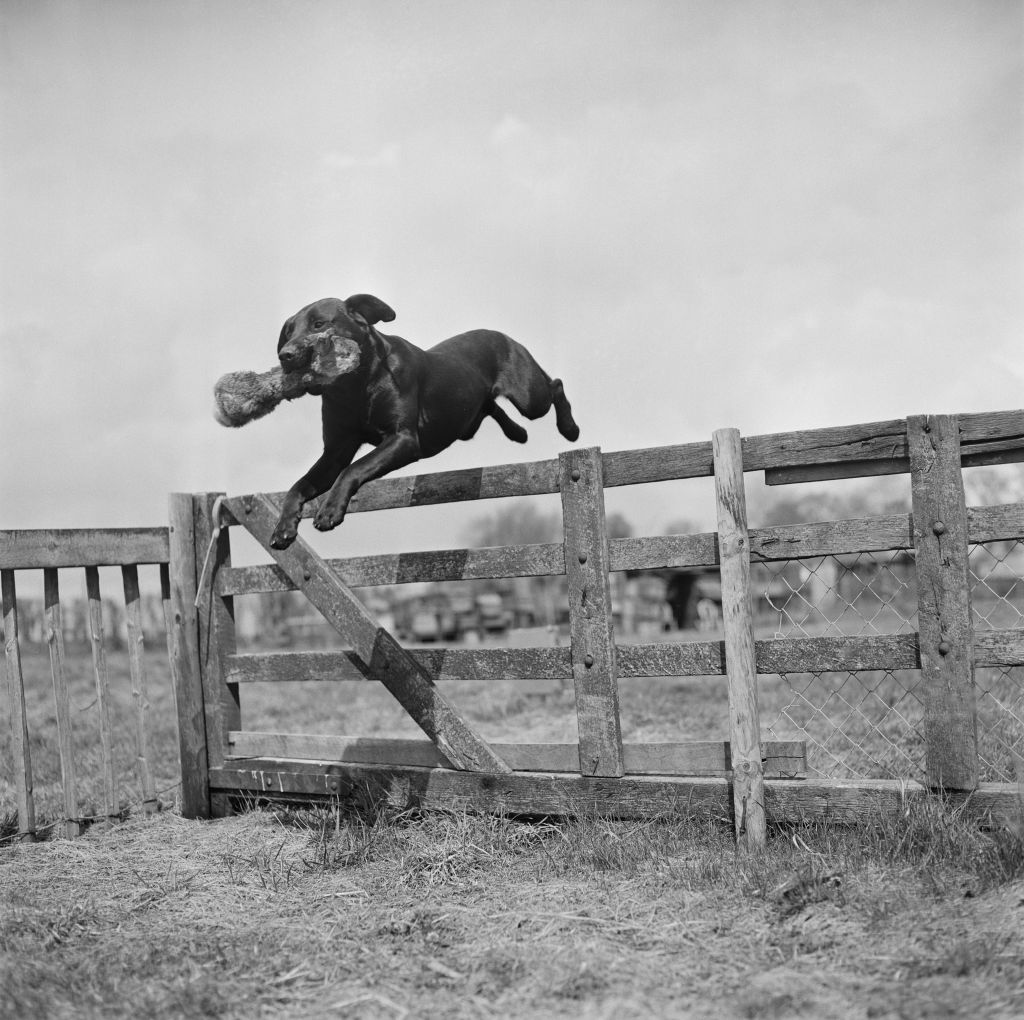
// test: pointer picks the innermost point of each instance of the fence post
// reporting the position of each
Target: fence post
(179, 594)
(594, 667)
(19, 716)
(740, 662)
(216, 636)
(943, 602)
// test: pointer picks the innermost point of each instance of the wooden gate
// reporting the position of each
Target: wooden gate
(744, 776)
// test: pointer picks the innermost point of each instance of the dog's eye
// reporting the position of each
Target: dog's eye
(318, 324)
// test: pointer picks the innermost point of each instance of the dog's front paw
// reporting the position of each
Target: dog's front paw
(328, 517)
(284, 534)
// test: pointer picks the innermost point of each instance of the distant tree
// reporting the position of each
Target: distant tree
(519, 523)
(990, 486)
(682, 526)
(618, 526)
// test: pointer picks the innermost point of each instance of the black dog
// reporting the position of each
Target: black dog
(406, 402)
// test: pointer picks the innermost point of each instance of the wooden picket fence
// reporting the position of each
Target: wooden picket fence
(88, 549)
(745, 776)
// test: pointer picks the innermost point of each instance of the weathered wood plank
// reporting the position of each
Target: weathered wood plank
(995, 523)
(872, 447)
(403, 568)
(102, 681)
(522, 793)
(216, 619)
(178, 588)
(61, 700)
(830, 538)
(592, 643)
(987, 438)
(999, 648)
(738, 623)
(82, 547)
(943, 602)
(697, 658)
(441, 663)
(784, 759)
(137, 671)
(380, 652)
(22, 753)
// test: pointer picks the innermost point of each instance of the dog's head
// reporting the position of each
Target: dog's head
(325, 340)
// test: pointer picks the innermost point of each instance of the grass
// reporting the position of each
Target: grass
(378, 914)
(369, 912)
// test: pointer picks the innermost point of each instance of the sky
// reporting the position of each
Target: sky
(760, 215)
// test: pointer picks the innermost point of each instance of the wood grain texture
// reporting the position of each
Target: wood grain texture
(137, 672)
(216, 629)
(178, 587)
(594, 669)
(61, 700)
(847, 802)
(740, 657)
(21, 751)
(379, 652)
(783, 759)
(82, 547)
(943, 602)
(101, 677)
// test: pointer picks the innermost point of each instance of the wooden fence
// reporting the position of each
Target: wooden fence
(745, 776)
(90, 550)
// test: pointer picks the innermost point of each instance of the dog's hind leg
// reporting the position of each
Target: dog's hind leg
(563, 412)
(512, 430)
(532, 392)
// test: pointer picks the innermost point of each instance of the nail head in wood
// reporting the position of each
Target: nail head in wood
(939, 528)
(944, 648)
(575, 474)
(588, 660)
(583, 557)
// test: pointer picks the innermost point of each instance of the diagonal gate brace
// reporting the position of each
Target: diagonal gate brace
(383, 657)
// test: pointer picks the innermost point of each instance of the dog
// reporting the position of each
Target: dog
(406, 402)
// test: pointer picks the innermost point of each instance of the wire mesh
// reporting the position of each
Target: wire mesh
(856, 724)
(870, 724)
(997, 603)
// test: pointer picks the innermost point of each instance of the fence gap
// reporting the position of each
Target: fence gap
(102, 677)
(61, 699)
(737, 619)
(943, 601)
(19, 716)
(592, 643)
(137, 668)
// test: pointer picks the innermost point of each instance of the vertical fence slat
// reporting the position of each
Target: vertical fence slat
(137, 668)
(216, 620)
(737, 618)
(61, 699)
(102, 677)
(178, 590)
(943, 602)
(19, 715)
(594, 668)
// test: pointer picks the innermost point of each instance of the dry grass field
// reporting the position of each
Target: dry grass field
(362, 913)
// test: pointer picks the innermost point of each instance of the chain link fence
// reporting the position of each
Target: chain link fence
(869, 724)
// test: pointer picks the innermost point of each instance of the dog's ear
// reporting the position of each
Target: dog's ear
(370, 308)
(286, 330)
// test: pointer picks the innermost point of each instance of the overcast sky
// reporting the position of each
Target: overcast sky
(764, 215)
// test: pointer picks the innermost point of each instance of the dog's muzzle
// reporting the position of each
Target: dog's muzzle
(320, 358)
